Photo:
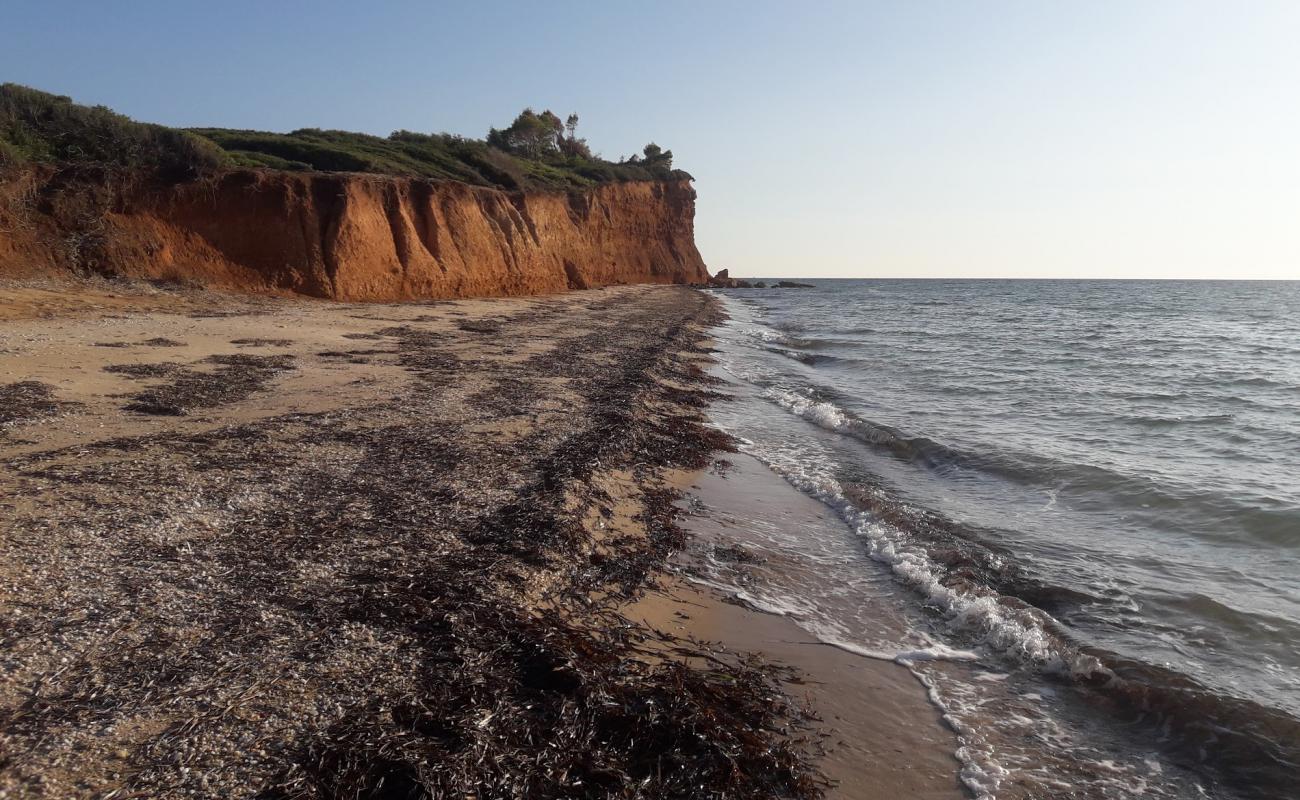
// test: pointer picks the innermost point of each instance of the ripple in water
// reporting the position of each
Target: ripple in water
(1089, 485)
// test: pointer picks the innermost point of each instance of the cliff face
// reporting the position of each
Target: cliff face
(349, 236)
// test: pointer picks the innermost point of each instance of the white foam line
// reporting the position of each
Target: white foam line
(765, 606)
(936, 652)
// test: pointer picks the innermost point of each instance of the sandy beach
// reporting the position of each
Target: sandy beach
(289, 548)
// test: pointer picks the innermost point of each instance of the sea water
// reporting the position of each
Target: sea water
(1087, 495)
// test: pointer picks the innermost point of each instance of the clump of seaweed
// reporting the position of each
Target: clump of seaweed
(520, 707)
(359, 356)
(26, 401)
(370, 351)
(260, 342)
(157, 341)
(141, 371)
(734, 553)
(479, 326)
(218, 314)
(237, 377)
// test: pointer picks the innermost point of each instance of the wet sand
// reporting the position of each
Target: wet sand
(883, 737)
(309, 549)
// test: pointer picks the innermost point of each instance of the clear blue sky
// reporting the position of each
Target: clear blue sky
(1144, 139)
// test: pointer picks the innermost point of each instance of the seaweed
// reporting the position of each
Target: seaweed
(734, 553)
(157, 341)
(237, 377)
(138, 371)
(26, 401)
(551, 709)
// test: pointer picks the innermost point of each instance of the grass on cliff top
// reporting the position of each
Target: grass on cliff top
(38, 127)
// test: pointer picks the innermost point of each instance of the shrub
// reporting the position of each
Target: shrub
(537, 151)
(40, 127)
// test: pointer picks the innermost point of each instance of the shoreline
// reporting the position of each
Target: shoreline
(883, 737)
(225, 576)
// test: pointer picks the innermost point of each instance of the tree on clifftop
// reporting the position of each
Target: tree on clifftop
(570, 144)
(656, 156)
(531, 134)
(653, 157)
(540, 136)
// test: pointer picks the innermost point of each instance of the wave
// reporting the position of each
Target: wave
(1166, 397)
(935, 651)
(769, 336)
(788, 339)
(919, 449)
(811, 359)
(989, 602)
(1255, 747)
(1262, 524)
(1150, 421)
(1252, 381)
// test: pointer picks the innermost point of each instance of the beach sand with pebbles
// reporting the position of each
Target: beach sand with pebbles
(287, 548)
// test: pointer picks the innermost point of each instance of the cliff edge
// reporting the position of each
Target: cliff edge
(346, 236)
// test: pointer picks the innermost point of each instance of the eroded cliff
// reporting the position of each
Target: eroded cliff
(348, 236)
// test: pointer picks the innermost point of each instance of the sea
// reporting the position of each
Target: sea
(1071, 508)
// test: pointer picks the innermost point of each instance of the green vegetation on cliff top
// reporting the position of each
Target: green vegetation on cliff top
(537, 151)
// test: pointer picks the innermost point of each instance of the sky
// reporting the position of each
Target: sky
(1151, 139)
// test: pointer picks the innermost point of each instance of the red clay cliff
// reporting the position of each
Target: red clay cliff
(348, 236)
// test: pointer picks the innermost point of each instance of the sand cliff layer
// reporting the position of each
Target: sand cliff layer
(349, 236)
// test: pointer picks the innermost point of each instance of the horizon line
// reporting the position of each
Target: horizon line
(996, 278)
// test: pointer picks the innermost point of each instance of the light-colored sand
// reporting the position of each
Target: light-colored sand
(66, 338)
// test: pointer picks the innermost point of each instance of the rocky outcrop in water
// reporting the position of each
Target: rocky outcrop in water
(723, 280)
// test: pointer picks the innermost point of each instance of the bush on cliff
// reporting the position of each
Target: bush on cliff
(538, 151)
(47, 128)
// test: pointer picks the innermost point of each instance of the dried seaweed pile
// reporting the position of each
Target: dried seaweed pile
(399, 601)
(237, 376)
(157, 369)
(25, 401)
(157, 341)
(553, 710)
